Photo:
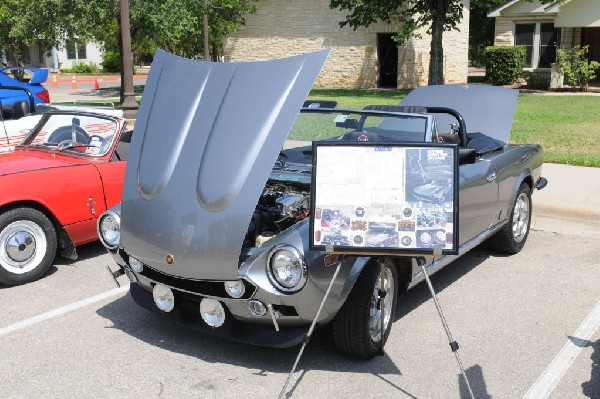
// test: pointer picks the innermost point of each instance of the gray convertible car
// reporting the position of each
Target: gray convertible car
(213, 228)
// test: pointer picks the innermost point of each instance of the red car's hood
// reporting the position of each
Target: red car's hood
(23, 161)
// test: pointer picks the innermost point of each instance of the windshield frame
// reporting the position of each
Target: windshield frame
(430, 125)
(26, 142)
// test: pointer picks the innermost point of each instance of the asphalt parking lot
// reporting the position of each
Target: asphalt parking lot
(521, 323)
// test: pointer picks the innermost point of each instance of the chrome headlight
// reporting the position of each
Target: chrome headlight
(109, 229)
(286, 268)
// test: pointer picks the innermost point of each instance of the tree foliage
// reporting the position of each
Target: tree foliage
(481, 29)
(436, 16)
(175, 25)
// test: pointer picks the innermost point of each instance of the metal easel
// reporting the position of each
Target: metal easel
(453, 344)
(381, 304)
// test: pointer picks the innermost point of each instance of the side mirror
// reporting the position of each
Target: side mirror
(466, 156)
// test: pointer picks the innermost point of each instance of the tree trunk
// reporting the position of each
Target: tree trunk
(436, 62)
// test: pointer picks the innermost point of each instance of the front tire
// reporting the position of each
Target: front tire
(27, 245)
(356, 329)
(512, 237)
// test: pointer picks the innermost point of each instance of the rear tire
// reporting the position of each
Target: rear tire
(512, 237)
(355, 328)
(27, 245)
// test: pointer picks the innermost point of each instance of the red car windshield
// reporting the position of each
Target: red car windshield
(86, 134)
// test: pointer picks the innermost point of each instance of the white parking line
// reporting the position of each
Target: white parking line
(561, 363)
(62, 310)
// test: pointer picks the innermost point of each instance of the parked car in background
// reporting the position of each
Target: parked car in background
(54, 185)
(28, 78)
(212, 235)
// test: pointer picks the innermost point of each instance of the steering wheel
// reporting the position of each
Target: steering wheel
(64, 133)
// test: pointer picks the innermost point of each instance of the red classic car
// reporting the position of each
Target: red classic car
(53, 187)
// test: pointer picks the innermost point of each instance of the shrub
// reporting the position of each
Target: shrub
(82, 67)
(111, 61)
(575, 66)
(504, 63)
(537, 80)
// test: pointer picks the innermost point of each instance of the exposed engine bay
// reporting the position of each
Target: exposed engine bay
(280, 206)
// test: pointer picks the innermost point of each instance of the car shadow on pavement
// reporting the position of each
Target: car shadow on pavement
(320, 354)
(441, 280)
(84, 252)
(128, 317)
(591, 388)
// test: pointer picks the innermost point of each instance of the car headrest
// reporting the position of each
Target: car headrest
(20, 109)
(409, 109)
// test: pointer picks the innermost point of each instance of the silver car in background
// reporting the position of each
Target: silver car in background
(213, 228)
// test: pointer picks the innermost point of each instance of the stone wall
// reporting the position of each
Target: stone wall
(282, 28)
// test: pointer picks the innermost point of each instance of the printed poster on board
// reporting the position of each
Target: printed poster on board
(384, 198)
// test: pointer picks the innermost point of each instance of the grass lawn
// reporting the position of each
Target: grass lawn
(567, 127)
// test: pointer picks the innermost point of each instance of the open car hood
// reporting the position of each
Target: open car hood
(485, 109)
(204, 143)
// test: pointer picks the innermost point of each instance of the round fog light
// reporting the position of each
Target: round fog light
(235, 289)
(163, 297)
(257, 308)
(212, 312)
(135, 264)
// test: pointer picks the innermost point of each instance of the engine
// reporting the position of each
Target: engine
(279, 207)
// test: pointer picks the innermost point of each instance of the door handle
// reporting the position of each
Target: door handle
(491, 177)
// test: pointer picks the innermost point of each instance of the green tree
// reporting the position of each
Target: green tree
(481, 29)
(175, 25)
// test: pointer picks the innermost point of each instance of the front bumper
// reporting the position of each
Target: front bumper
(232, 328)
(291, 313)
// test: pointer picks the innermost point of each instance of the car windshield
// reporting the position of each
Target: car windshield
(82, 134)
(360, 126)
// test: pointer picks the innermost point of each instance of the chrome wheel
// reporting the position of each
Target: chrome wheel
(374, 312)
(356, 329)
(520, 220)
(23, 246)
(513, 235)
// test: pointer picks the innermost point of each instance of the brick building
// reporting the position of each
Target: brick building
(363, 58)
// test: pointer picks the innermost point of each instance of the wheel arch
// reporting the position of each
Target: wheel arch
(525, 177)
(65, 244)
(403, 267)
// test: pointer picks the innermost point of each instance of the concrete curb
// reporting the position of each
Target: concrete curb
(579, 212)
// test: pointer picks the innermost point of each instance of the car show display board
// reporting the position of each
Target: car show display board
(386, 198)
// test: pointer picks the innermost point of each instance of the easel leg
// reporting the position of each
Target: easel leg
(453, 343)
(310, 330)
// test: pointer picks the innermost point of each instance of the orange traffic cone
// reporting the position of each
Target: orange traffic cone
(54, 82)
(73, 82)
(96, 84)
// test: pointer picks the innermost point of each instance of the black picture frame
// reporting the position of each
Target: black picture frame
(385, 198)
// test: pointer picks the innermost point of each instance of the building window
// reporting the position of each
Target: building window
(75, 50)
(524, 34)
(540, 40)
